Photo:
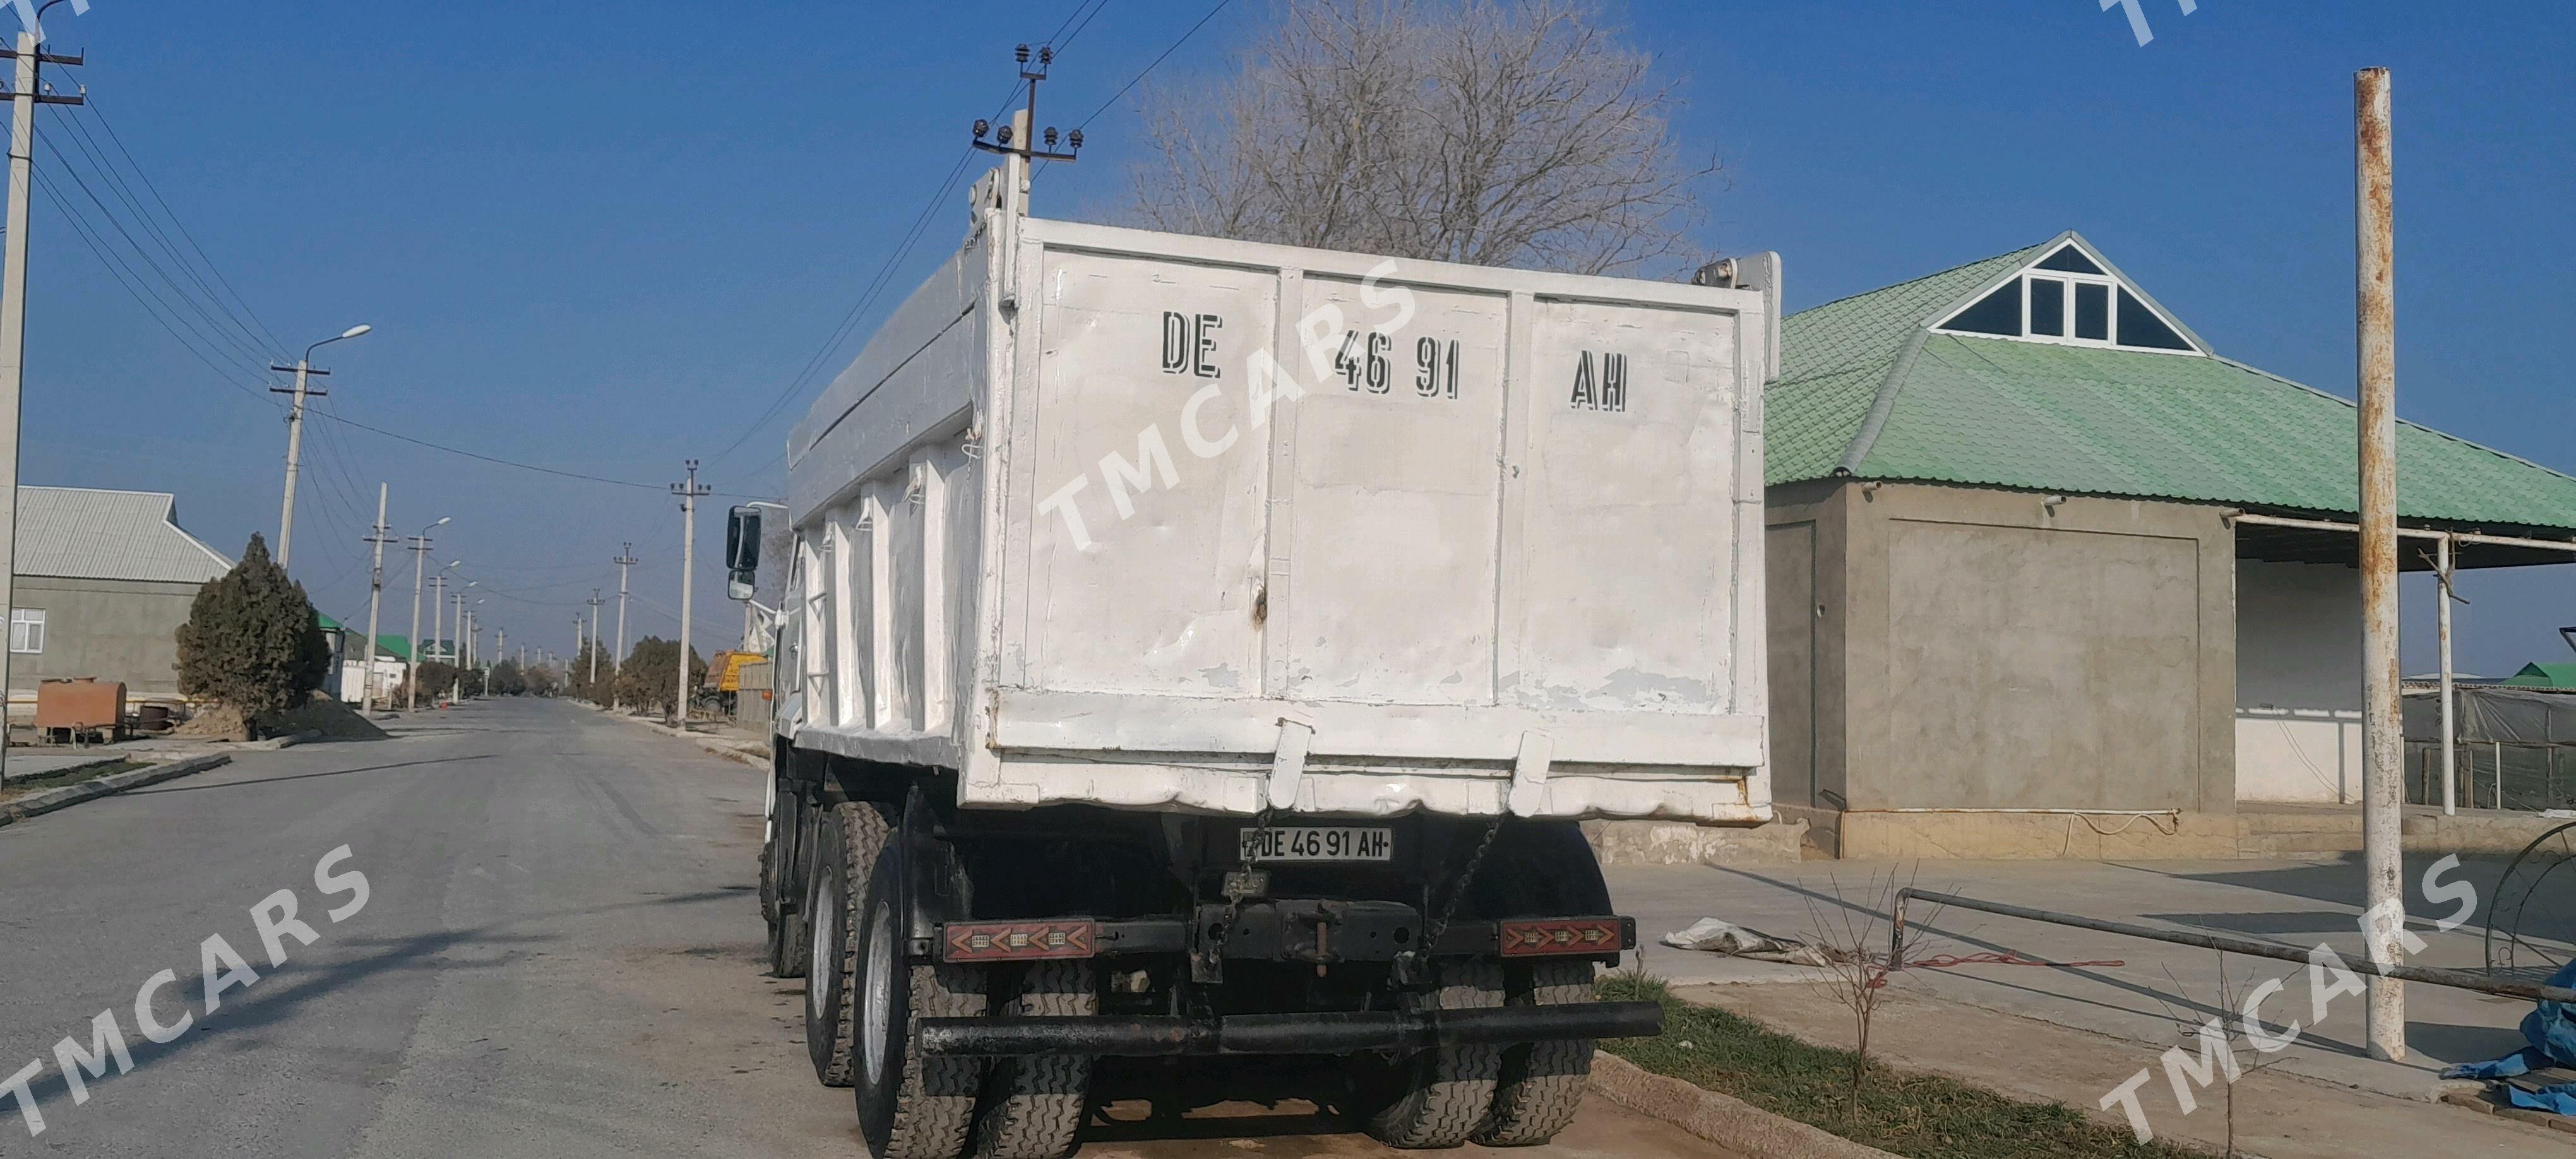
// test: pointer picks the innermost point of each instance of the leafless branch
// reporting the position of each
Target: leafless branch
(1490, 132)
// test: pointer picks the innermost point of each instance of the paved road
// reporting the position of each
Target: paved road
(558, 956)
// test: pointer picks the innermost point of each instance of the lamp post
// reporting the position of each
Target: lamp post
(295, 438)
(419, 562)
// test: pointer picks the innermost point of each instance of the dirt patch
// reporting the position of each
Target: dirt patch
(321, 714)
(214, 722)
(324, 715)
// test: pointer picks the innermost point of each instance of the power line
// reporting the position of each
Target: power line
(877, 283)
(211, 267)
(1139, 77)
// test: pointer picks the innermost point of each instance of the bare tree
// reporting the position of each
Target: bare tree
(1848, 935)
(1490, 132)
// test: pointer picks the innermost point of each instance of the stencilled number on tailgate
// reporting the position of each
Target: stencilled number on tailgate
(1608, 391)
(1435, 371)
(1363, 364)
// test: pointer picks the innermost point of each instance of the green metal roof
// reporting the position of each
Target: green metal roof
(2543, 676)
(2097, 420)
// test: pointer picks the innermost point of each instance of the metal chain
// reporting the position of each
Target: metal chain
(1440, 928)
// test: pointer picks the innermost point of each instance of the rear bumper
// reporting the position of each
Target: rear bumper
(1263, 1034)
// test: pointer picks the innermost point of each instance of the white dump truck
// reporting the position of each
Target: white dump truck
(1196, 647)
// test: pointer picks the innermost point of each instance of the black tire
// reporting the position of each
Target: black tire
(1033, 1105)
(1542, 1083)
(910, 1106)
(1440, 1097)
(849, 838)
(778, 859)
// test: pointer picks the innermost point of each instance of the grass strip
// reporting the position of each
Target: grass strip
(1918, 1116)
(21, 786)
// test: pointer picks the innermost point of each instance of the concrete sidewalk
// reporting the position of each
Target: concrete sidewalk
(2071, 1034)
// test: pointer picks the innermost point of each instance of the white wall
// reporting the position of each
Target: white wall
(2298, 682)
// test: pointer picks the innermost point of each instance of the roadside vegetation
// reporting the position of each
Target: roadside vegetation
(21, 786)
(252, 644)
(1918, 1116)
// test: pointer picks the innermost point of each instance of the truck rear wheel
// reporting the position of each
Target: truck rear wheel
(1440, 1097)
(848, 839)
(1035, 1104)
(1542, 1082)
(910, 1106)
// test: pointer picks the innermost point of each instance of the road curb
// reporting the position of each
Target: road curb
(39, 804)
(731, 752)
(1721, 1119)
(279, 742)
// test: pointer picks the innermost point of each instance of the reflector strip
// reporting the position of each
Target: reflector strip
(1017, 941)
(1525, 939)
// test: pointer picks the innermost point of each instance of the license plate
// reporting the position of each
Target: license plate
(1316, 843)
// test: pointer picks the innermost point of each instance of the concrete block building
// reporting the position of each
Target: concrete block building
(104, 579)
(2007, 575)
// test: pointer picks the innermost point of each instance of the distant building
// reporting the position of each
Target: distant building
(348, 675)
(2005, 573)
(2557, 676)
(104, 579)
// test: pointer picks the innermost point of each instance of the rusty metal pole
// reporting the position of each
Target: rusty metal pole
(2442, 592)
(2382, 794)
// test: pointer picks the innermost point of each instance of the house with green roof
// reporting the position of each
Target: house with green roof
(391, 662)
(2551, 675)
(2006, 568)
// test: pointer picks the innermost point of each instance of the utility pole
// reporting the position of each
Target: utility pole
(500, 647)
(689, 493)
(375, 597)
(24, 96)
(294, 450)
(303, 369)
(1017, 142)
(595, 601)
(625, 559)
(2382, 794)
(419, 563)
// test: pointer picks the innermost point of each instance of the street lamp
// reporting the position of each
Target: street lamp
(295, 439)
(419, 561)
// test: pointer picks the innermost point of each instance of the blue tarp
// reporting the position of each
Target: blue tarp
(2551, 1030)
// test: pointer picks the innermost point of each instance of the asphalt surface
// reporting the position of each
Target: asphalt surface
(558, 955)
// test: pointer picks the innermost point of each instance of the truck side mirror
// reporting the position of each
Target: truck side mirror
(742, 551)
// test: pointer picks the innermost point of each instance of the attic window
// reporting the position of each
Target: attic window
(2071, 260)
(2075, 302)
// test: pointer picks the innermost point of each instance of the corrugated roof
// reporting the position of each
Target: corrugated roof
(82, 533)
(2101, 421)
(2538, 675)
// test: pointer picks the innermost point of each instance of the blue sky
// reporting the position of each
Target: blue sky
(604, 238)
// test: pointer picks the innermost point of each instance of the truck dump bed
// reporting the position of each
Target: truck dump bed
(1162, 522)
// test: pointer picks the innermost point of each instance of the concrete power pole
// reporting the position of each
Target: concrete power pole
(303, 369)
(24, 96)
(625, 559)
(595, 601)
(375, 597)
(2382, 794)
(689, 492)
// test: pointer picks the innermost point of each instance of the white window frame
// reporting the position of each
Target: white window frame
(27, 631)
(2020, 280)
(2110, 306)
